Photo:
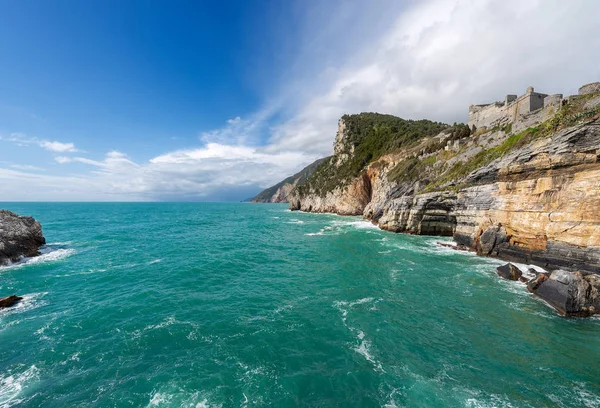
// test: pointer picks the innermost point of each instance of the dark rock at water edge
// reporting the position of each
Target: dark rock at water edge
(9, 301)
(535, 283)
(509, 271)
(570, 293)
(19, 237)
(492, 240)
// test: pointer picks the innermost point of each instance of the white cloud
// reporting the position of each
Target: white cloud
(21, 139)
(58, 147)
(442, 55)
(63, 159)
(26, 167)
(202, 172)
(430, 60)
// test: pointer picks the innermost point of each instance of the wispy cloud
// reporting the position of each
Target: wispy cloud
(52, 146)
(26, 167)
(442, 55)
(201, 173)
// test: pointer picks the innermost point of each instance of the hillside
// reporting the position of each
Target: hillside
(280, 191)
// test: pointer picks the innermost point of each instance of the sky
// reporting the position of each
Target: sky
(215, 100)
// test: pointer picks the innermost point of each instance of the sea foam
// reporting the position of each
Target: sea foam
(48, 253)
(12, 386)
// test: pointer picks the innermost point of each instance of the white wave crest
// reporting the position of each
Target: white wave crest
(29, 302)
(175, 396)
(295, 221)
(13, 384)
(362, 224)
(343, 226)
(364, 350)
(47, 254)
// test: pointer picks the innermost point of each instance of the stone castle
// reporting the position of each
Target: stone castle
(522, 111)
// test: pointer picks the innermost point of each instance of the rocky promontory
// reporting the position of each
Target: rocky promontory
(19, 237)
(520, 182)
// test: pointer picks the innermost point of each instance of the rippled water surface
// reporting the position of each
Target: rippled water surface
(207, 305)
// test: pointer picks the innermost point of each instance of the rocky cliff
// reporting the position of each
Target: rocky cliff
(19, 237)
(532, 196)
(280, 191)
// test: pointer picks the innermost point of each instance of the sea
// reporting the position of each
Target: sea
(251, 305)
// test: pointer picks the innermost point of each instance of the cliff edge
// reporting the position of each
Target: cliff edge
(523, 186)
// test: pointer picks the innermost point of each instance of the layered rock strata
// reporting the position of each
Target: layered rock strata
(536, 201)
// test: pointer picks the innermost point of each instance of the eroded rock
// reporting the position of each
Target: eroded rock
(19, 237)
(509, 271)
(570, 293)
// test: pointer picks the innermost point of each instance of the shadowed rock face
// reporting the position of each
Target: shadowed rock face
(19, 237)
(509, 271)
(570, 293)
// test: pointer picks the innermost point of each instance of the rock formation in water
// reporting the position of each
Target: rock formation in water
(570, 293)
(521, 182)
(280, 191)
(509, 271)
(19, 237)
(9, 301)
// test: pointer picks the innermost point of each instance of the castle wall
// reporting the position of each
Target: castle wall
(524, 111)
(551, 105)
(486, 115)
(554, 101)
(515, 109)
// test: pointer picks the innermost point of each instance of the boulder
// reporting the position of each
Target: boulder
(535, 283)
(9, 301)
(509, 271)
(19, 237)
(570, 293)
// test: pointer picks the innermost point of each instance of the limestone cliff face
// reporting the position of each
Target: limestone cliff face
(532, 197)
(348, 200)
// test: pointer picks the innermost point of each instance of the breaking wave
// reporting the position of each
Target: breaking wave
(48, 253)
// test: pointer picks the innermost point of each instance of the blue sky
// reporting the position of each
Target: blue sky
(138, 100)
(126, 75)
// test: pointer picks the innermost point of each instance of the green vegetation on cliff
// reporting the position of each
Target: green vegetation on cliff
(436, 162)
(368, 137)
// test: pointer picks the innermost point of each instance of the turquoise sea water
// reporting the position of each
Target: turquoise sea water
(235, 305)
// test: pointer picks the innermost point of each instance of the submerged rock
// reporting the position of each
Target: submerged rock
(570, 293)
(509, 271)
(19, 237)
(9, 301)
